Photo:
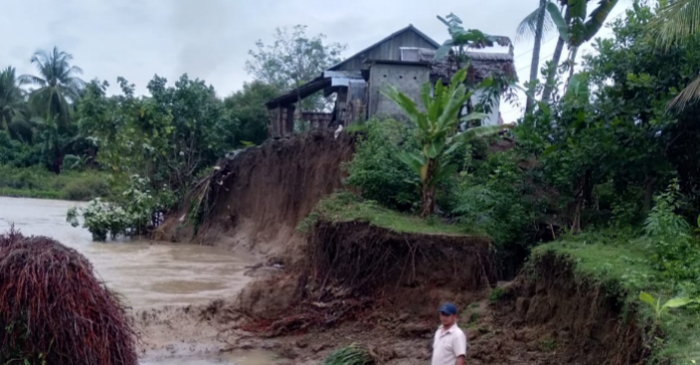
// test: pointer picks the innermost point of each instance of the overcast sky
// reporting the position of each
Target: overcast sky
(210, 39)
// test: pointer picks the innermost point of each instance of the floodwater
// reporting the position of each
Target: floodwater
(147, 275)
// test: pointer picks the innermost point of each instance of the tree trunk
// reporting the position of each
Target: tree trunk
(584, 192)
(56, 161)
(572, 60)
(428, 192)
(534, 65)
(649, 192)
(549, 87)
(428, 200)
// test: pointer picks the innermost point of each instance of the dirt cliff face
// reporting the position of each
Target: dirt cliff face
(571, 320)
(259, 196)
(545, 316)
(352, 268)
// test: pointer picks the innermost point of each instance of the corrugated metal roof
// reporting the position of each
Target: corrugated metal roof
(410, 27)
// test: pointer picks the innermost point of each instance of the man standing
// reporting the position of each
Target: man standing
(450, 344)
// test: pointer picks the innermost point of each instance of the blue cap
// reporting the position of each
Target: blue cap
(449, 309)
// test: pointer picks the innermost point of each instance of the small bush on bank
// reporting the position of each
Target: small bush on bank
(376, 169)
(494, 197)
(137, 212)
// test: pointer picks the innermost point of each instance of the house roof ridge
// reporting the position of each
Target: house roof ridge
(410, 26)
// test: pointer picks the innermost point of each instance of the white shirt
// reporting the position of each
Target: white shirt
(448, 346)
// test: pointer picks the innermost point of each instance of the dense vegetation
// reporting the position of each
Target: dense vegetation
(606, 171)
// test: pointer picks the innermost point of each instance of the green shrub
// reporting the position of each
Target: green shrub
(676, 252)
(17, 154)
(86, 188)
(136, 213)
(495, 295)
(493, 198)
(376, 169)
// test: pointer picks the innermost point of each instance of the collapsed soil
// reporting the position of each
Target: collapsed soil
(353, 282)
(543, 317)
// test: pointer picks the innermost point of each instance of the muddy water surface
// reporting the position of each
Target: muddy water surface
(147, 275)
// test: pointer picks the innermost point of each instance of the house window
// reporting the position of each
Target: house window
(409, 54)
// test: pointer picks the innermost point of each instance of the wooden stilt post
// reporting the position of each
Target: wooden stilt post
(289, 125)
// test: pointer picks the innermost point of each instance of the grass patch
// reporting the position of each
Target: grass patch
(35, 182)
(624, 262)
(351, 355)
(495, 295)
(346, 207)
(35, 194)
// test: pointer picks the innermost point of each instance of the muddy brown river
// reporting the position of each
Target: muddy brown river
(147, 275)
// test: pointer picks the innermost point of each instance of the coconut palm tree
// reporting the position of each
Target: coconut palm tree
(676, 22)
(14, 117)
(581, 28)
(541, 21)
(58, 85)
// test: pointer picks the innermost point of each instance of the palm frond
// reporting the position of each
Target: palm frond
(686, 96)
(32, 80)
(41, 60)
(598, 17)
(528, 26)
(558, 20)
(676, 22)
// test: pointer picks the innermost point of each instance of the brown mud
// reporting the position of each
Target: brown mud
(353, 282)
(545, 316)
(258, 197)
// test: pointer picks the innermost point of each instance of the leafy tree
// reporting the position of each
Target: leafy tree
(248, 112)
(199, 126)
(537, 24)
(292, 60)
(635, 82)
(167, 138)
(436, 131)
(58, 86)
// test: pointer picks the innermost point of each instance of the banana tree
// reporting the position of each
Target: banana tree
(436, 128)
(581, 28)
(464, 39)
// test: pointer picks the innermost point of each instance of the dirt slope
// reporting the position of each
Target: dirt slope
(258, 197)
